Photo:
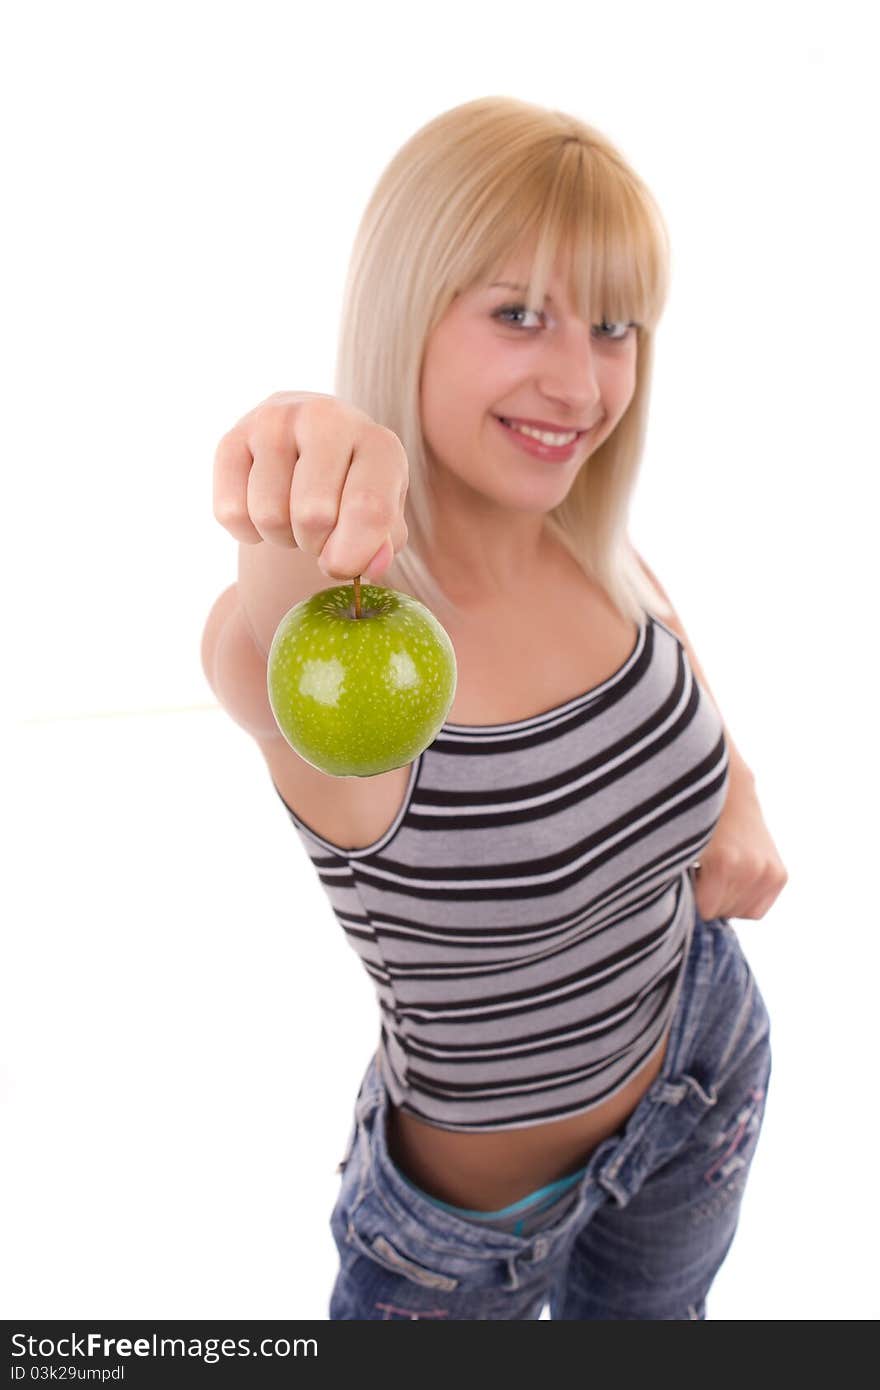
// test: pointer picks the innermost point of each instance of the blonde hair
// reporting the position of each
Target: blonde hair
(463, 193)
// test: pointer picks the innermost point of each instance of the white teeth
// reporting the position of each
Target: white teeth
(544, 435)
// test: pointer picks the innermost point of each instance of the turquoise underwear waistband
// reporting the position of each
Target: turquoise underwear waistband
(514, 1217)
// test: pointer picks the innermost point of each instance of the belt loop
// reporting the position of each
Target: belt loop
(608, 1179)
(513, 1277)
(542, 1245)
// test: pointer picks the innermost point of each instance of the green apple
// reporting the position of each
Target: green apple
(358, 695)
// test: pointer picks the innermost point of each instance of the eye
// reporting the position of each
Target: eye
(618, 337)
(515, 309)
(610, 332)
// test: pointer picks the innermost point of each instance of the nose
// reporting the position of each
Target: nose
(568, 372)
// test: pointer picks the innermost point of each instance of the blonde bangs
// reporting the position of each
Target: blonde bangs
(591, 217)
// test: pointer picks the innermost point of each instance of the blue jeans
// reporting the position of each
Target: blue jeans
(657, 1204)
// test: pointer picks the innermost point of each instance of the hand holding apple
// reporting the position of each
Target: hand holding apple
(356, 690)
(311, 472)
(360, 683)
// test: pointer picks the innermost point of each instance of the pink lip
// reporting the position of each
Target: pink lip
(549, 452)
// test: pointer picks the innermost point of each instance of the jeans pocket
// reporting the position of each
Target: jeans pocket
(730, 1149)
(444, 1251)
(385, 1250)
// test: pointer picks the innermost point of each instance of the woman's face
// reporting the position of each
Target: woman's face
(488, 357)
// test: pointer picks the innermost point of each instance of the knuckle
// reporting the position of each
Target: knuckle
(384, 432)
(270, 514)
(369, 505)
(320, 412)
(390, 439)
(227, 513)
(315, 514)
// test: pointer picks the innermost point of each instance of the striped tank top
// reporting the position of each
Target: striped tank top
(526, 917)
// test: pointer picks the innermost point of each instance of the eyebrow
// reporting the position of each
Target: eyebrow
(508, 285)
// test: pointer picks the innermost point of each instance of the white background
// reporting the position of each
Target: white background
(184, 1026)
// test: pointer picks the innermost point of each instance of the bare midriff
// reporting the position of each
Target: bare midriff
(487, 1171)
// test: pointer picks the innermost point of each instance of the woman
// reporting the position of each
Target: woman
(573, 1054)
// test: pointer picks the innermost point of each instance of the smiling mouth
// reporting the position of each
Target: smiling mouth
(561, 438)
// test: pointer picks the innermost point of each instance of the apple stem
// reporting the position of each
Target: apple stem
(357, 596)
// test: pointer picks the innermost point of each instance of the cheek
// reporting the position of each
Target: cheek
(453, 406)
(444, 393)
(621, 388)
(444, 426)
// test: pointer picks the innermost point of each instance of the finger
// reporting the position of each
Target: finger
(274, 448)
(380, 562)
(369, 507)
(388, 551)
(327, 443)
(232, 465)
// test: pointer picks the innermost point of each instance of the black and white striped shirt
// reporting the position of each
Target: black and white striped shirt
(526, 917)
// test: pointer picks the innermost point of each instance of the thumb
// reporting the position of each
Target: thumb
(380, 561)
(707, 893)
